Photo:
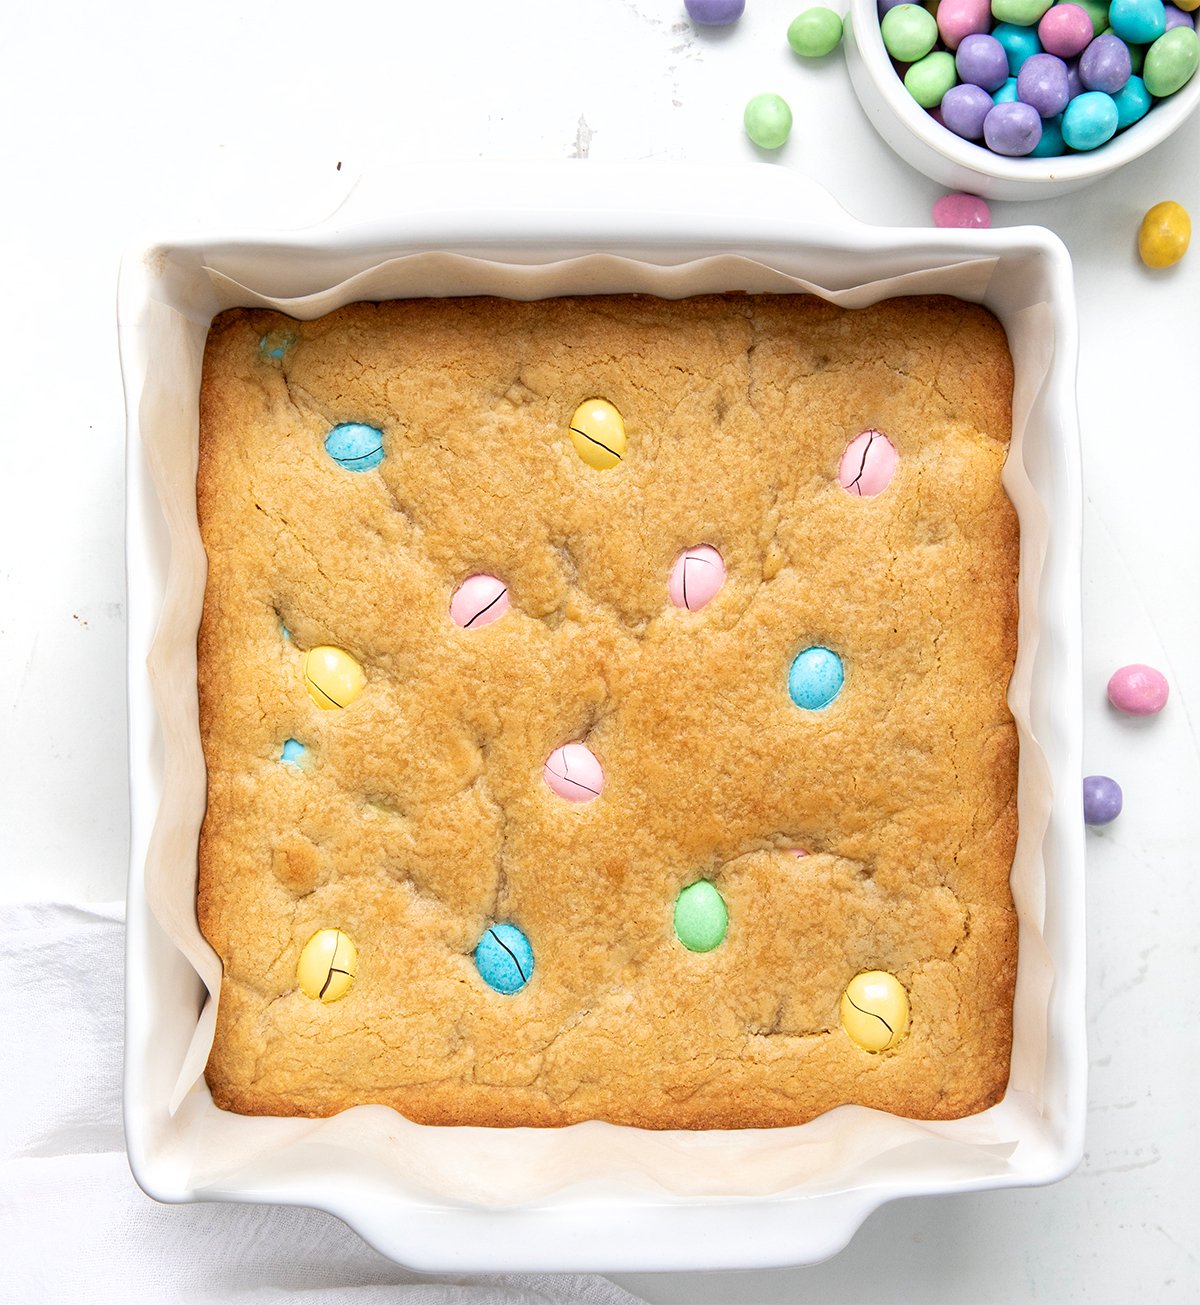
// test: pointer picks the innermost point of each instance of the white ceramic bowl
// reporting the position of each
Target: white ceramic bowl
(593, 1196)
(961, 164)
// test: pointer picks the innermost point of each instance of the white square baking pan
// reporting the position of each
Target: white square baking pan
(592, 1196)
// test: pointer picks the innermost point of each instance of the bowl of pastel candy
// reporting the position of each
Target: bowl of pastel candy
(1024, 99)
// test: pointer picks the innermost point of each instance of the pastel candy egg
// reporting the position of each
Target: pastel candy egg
(1138, 690)
(1012, 128)
(1007, 94)
(598, 433)
(714, 13)
(1023, 13)
(1051, 143)
(909, 32)
(963, 110)
(1042, 82)
(875, 1011)
(1171, 61)
(815, 678)
(1097, 11)
(928, 80)
(1020, 43)
(276, 343)
(332, 677)
(504, 959)
(767, 120)
(1065, 30)
(573, 772)
(701, 917)
(696, 577)
(815, 33)
(1176, 17)
(1089, 120)
(1102, 800)
(293, 753)
(1137, 53)
(868, 464)
(355, 446)
(327, 966)
(1164, 235)
(797, 852)
(1133, 102)
(983, 61)
(1139, 21)
(478, 601)
(1106, 64)
(961, 210)
(957, 19)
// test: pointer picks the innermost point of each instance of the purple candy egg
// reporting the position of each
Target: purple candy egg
(1177, 18)
(1102, 799)
(964, 107)
(1043, 83)
(714, 13)
(1105, 65)
(982, 61)
(1012, 128)
(1074, 85)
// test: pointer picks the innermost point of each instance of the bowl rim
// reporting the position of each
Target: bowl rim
(1164, 117)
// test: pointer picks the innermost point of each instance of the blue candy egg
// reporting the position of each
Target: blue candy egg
(1133, 101)
(1052, 142)
(293, 752)
(1139, 21)
(1020, 43)
(1089, 120)
(276, 343)
(816, 678)
(504, 958)
(1007, 93)
(355, 446)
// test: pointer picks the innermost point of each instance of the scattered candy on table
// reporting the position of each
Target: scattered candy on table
(815, 33)
(701, 917)
(696, 577)
(815, 678)
(327, 965)
(1138, 690)
(1070, 68)
(714, 13)
(768, 121)
(332, 677)
(478, 601)
(1164, 235)
(504, 959)
(1102, 799)
(868, 464)
(598, 433)
(355, 446)
(574, 773)
(961, 210)
(875, 1011)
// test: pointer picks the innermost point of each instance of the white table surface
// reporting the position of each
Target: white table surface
(122, 121)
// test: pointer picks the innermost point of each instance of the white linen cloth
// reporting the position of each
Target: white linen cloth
(74, 1226)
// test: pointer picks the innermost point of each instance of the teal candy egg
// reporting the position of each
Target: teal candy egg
(1007, 93)
(816, 678)
(1020, 43)
(1052, 142)
(504, 959)
(355, 446)
(293, 752)
(1133, 101)
(1089, 120)
(1137, 21)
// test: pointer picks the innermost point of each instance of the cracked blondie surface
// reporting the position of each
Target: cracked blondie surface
(417, 817)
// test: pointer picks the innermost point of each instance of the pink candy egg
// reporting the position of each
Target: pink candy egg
(1138, 690)
(961, 210)
(573, 772)
(696, 577)
(868, 464)
(1065, 30)
(797, 852)
(478, 601)
(959, 18)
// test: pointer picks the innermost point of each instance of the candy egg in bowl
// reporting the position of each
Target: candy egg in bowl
(961, 163)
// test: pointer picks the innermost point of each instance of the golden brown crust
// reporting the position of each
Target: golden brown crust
(421, 815)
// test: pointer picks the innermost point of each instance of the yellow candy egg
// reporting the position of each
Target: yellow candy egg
(332, 677)
(875, 1010)
(598, 433)
(1164, 234)
(327, 966)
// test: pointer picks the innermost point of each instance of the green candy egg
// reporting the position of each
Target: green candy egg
(815, 33)
(701, 917)
(1022, 13)
(1171, 61)
(930, 78)
(909, 32)
(1097, 11)
(768, 121)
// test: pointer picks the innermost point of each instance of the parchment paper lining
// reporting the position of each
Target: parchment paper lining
(848, 1148)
